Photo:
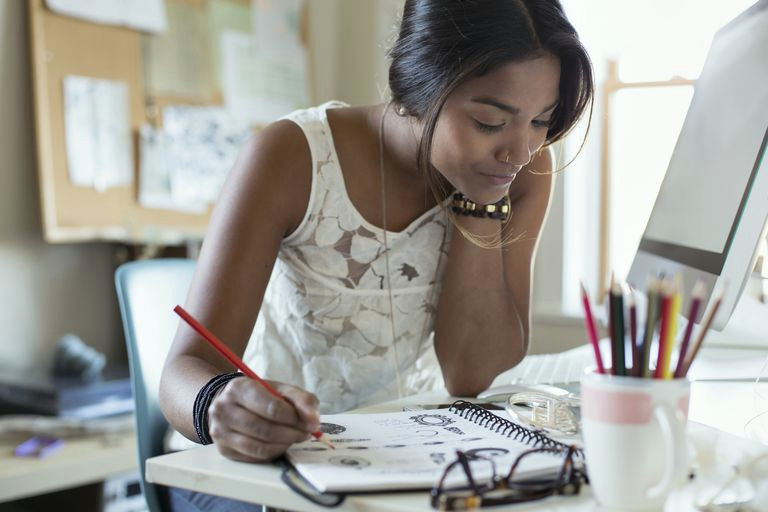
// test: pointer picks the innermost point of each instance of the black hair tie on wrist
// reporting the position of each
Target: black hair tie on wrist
(203, 401)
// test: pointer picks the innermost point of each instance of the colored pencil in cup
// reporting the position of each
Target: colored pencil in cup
(705, 324)
(589, 322)
(633, 333)
(674, 313)
(617, 324)
(236, 361)
(666, 306)
(696, 295)
(652, 312)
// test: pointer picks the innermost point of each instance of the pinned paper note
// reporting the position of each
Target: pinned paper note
(178, 62)
(261, 85)
(98, 132)
(146, 15)
(264, 71)
(277, 24)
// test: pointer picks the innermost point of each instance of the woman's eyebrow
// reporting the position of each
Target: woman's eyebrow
(486, 100)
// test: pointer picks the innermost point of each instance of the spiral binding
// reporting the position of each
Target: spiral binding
(503, 426)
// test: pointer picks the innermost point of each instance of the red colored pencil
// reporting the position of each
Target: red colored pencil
(236, 361)
(705, 324)
(696, 296)
(589, 322)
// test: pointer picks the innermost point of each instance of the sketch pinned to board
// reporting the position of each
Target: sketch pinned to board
(97, 126)
(202, 146)
(155, 188)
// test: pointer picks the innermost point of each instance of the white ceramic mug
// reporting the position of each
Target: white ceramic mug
(634, 439)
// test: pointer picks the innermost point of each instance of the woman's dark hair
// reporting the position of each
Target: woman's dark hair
(443, 43)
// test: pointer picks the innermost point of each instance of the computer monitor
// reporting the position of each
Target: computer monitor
(711, 210)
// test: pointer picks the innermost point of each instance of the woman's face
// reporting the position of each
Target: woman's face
(491, 126)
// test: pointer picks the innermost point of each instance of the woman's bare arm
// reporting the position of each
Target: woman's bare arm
(264, 198)
(483, 318)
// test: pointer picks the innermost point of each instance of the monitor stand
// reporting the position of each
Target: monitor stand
(748, 325)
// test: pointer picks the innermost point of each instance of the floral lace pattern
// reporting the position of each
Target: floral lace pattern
(325, 322)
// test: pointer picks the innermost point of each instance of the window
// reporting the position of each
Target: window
(658, 47)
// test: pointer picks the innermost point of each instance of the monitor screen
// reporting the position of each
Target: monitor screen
(712, 204)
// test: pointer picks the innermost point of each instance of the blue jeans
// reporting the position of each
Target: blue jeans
(183, 500)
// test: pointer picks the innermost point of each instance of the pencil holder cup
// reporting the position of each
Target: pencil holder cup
(634, 439)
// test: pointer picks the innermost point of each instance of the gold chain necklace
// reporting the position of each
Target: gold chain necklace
(428, 312)
(386, 251)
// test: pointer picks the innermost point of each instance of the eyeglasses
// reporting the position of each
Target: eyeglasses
(473, 493)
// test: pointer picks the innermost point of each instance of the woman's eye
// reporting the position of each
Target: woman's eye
(488, 128)
(538, 123)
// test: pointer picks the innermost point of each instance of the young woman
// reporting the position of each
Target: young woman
(351, 242)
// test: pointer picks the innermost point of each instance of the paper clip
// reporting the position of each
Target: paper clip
(38, 447)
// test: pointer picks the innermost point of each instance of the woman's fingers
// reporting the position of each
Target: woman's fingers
(254, 397)
(304, 402)
(247, 422)
(238, 446)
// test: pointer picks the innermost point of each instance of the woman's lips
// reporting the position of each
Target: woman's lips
(499, 179)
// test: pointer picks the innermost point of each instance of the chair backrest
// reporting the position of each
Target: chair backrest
(147, 292)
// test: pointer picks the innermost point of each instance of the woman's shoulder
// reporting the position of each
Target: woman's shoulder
(353, 129)
(275, 164)
(281, 142)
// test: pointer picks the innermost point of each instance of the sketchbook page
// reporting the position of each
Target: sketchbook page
(405, 450)
(148, 15)
(98, 132)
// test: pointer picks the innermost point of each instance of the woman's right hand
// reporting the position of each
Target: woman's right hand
(250, 424)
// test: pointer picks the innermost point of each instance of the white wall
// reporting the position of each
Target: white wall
(48, 290)
(349, 40)
(45, 290)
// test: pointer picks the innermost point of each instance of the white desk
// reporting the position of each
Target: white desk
(80, 461)
(718, 411)
(205, 470)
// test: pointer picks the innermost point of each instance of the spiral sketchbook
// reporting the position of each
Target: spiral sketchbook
(410, 449)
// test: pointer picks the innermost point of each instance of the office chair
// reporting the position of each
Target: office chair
(147, 292)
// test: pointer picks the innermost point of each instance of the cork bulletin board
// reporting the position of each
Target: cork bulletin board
(63, 46)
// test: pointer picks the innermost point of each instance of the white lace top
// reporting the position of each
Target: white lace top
(325, 321)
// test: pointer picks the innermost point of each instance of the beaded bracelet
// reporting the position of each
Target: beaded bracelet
(464, 206)
(203, 401)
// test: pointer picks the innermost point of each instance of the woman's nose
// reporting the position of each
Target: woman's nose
(517, 153)
(517, 150)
